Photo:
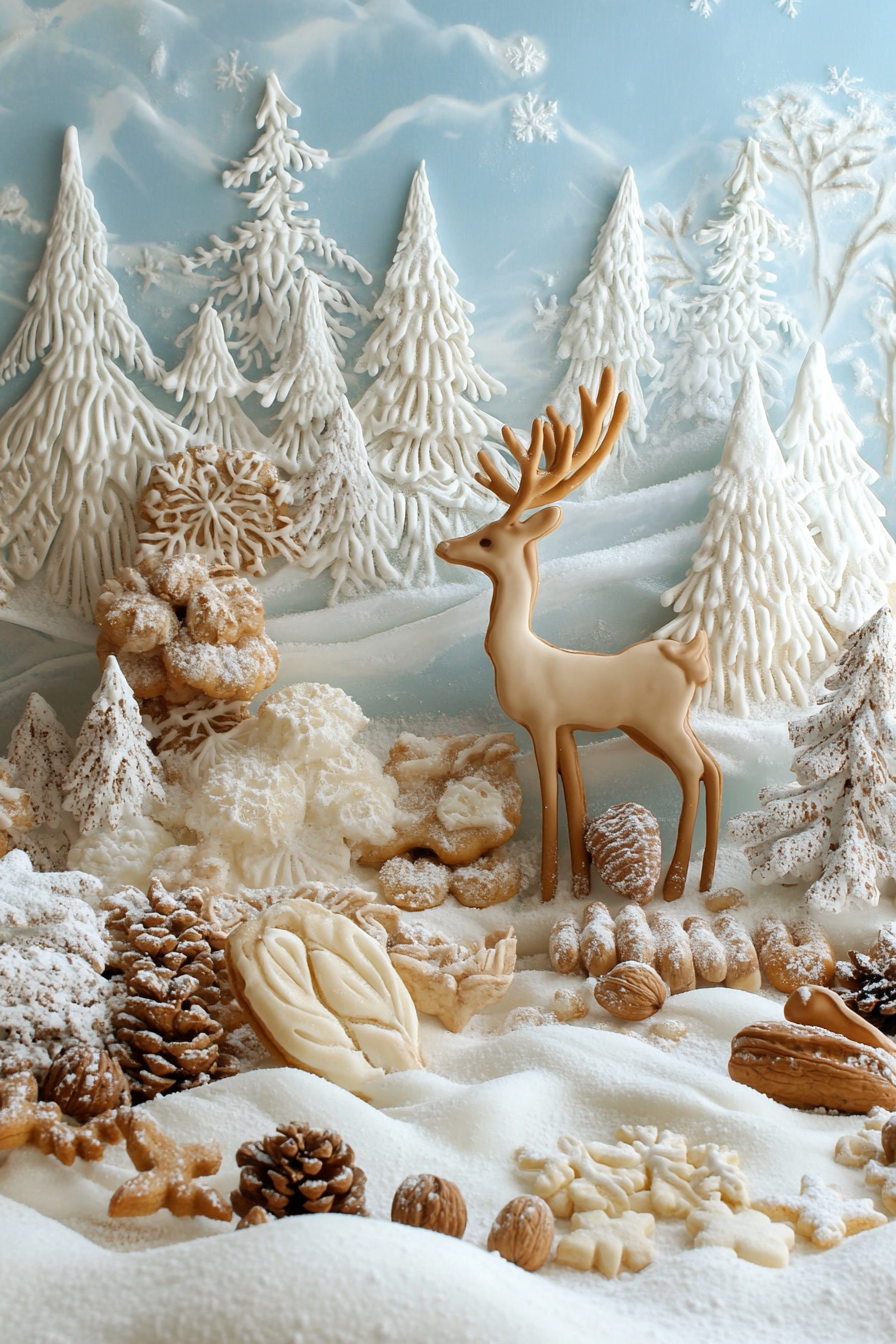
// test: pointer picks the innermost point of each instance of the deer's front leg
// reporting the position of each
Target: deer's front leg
(576, 808)
(546, 760)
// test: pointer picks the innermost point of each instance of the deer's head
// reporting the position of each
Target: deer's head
(496, 547)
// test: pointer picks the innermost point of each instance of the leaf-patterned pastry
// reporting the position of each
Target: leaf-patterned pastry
(324, 995)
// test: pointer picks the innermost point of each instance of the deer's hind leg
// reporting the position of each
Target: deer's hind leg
(546, 760)
(712, 787)
(576, 810)
(679, 751)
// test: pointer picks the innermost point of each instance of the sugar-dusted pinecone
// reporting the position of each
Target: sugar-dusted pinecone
(867, 982)
(167, 1039)
(299, 1170)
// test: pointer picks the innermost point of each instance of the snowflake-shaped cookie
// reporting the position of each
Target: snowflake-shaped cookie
(854, 1150)
(884, 1178)
(717, 1172)
(820, 1213)
(608, 1244)
(669, 1173)
(750, 1234)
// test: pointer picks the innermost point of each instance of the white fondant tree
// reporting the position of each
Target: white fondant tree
(608, 321)
(343, 513)
(736, 320)
(40, 752)
(832, 482)
(756, 584)
(422, 430)
(209, 379)
(306, 380)
(76, 449)
(836, 826)
(113, 769)
(258, 296)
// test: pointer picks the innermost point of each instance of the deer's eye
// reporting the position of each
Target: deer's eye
(485, 541)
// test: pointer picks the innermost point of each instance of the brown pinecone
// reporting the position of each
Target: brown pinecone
(299, 1170)
(167, 1039)
(867, 982)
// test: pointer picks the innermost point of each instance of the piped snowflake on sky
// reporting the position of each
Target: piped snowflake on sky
(526, 57)
(843, 82)
(533, 119)
(149, 270)
(705, 7)
(547, 314)
(230, 74)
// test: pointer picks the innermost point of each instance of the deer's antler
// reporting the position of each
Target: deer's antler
(567, 463)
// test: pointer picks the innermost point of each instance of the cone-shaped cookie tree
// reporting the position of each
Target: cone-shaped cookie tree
(40, 752)
(306, 380)
(836, 826)
(258, 295)
(736, 321)
(209, 379)
(343, 512)
(76, 449)
(832, 482)
(113, 770)
(608, 322)
(422, 430)
(756, 584)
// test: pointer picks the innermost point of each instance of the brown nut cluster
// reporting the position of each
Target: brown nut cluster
(184, 632)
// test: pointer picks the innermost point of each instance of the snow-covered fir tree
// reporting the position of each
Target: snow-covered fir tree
(113, 770)
(258, 295)
(306, 380)
(40, 752)
(607, 324)
(76, 449)
(836, 826)
(209, 379)
(422, 430)
(756, 584)
(736, 320)
(832, 482)
(343, 513)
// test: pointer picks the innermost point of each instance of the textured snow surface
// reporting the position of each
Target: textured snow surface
(335, 1279)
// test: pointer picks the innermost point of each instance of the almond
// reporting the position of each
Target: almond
(632, 990)
(523, 1232)
(808, 1067)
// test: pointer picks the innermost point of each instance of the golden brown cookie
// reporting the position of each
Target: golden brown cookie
(222, 671)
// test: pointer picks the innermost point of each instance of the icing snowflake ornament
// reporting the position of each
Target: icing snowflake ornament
(533, 119)
(231, 74)
(525, 57)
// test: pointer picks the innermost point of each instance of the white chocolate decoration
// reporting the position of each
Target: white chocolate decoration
(324, 995)
(470, 802)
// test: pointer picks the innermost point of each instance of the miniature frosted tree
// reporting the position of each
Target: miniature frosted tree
(258, 298)
(208, 377)
(832, 482)
(608, 321)
(756, 584)
(836, 826)
(40, 752)
(306, 379)
(422, 430)
(343, 513)
(76, 449)
(113, 770)
(736, 321)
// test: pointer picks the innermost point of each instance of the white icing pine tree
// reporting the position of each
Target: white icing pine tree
(832, 482)
(76, 449)
(608, 321)
(306, 379)
(736, 320)
(210, 380)
(258, 298)
(836, 826)
(343, 513)
(422, 430)
(756, 584)
(40, 752)
(113, 769)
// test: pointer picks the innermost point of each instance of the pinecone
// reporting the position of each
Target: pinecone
(167, 1039)
(299, 1170)
(867, 982)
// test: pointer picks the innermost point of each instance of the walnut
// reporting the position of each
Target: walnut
(84, 1081)
(430, 1202)
(523, 1232)
(632, 990)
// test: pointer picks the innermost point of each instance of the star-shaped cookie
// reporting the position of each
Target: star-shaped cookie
(750, 1234)
(168, 1174)
(820, 1213)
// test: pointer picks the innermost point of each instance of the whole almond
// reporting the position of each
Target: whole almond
(632, 990)
(807, 1067)
(430, 1202)
(523, 1232)
(563, 946)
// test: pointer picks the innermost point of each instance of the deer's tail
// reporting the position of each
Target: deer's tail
(692, 658)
